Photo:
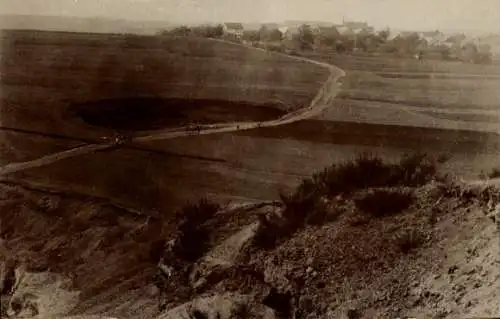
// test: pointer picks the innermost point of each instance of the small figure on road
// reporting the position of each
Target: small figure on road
(121, 140)
(105, 139)
(419, 55)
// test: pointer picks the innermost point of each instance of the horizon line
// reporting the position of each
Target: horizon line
(167, 21)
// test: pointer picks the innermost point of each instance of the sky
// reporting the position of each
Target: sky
(481, 15)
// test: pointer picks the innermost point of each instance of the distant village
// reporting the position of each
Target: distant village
(353, 37)
(290, 28)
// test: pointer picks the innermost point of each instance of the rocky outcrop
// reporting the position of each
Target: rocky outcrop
(226, 306)
(40, 295)
(222, 256)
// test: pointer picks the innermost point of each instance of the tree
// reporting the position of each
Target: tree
(305, 37)
(209, 31)
(444, 51)
(275, 35)
(180, 31)
(408, 44)
(251, 35)
(469, 52)
(476, 54)
(328, 36)
(383, 36)
(369, 42)
(457, 39)
(272, 35)
(217, 31)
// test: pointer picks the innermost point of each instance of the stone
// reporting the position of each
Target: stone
(452, 269)
(353, 313)
(309, 261)
(223, 306)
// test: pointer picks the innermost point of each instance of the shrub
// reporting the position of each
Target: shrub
(275, 48)
(381, 203)
(193, 234)
(414, 170)
(443, 158)
(319, 214)
(266, 236)
(368, 171)
(305, 205)
(409, 240)
(495, 173)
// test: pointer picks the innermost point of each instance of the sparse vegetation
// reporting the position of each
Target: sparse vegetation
(364, 172)
(307, 205)
(193, 236)
(409, 240)
(205, 31)
(380, 203)
(495, 173)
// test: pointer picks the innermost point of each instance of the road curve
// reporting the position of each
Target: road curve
(321, 101)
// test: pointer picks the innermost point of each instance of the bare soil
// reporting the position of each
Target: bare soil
(439, 257)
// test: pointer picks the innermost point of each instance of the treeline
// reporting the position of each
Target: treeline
(328, 39)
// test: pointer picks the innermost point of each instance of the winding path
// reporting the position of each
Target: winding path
(321, 101)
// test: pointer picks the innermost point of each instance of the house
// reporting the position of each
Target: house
(392, 36)
(283, 30)
(430, 34)
(324, 29)
(433, 38)
(290, 31)
(233, 28)
(354, 27)
(270, 26)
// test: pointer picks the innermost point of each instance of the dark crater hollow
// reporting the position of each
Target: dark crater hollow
(150, 113)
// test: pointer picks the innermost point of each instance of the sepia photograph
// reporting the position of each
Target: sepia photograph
(237, 159)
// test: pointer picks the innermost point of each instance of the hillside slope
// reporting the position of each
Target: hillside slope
(435, 256)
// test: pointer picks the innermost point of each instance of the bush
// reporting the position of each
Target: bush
(368, 171)
(414, 170)
(409, 240)
(306, 204)
(293, 52)
(275, 48)
(380, 203)
(495, 173)
(193, 234)
(310, 210)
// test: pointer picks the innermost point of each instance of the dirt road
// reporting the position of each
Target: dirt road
(323, 98)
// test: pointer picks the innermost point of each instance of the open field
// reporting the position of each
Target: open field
(378, 114)
(71, 76)
(245, 166)
(64, 69)
(433, 94)
(393, 65)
